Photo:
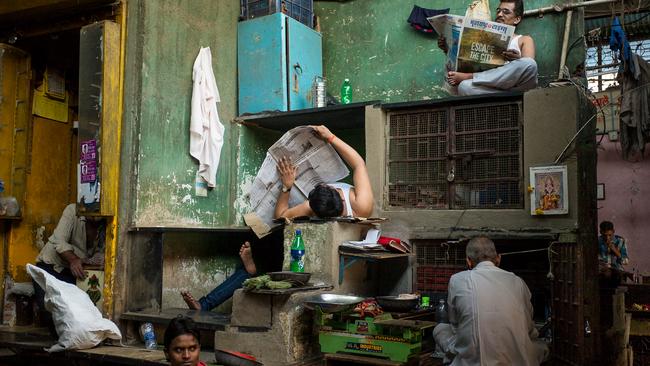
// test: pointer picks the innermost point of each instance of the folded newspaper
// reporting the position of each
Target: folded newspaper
(473, 45)
(317, 162)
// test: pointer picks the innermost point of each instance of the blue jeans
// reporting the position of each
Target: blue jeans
(225, 290)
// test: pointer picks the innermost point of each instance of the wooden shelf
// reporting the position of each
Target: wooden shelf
(346, 259)
(11, 217)
(204, 319)
(288, 291)
(337, 117)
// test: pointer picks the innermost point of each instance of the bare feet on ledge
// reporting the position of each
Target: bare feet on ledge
(246, 256)
(454, 78)
(190, 301)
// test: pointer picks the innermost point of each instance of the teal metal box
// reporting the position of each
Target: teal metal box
(277, 60)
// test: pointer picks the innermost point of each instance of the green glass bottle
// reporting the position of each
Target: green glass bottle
(346, 92)
(297, 263)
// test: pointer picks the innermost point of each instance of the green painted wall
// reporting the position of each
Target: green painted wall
(196, 262)
(168, 35)
(370, 42)
(366, 40)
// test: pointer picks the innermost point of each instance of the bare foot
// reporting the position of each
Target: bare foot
(190, 301)
(246, 256)
(454, 77)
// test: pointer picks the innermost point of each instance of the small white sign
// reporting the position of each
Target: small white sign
(200, 186)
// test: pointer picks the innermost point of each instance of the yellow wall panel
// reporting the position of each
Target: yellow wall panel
(48, 192)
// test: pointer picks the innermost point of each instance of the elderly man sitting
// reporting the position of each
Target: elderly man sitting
(490, 314)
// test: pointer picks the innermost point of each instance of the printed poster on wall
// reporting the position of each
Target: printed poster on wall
(88, 161)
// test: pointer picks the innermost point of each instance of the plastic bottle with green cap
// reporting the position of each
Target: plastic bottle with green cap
(297, 263)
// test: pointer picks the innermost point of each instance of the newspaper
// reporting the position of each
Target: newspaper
(474, 45)
(317, 162)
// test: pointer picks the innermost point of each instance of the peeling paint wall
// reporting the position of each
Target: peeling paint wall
(158, 96)
(370, 42)
(200, 261)
(196, 263)
(627, 200)
(49, 189)
(253, 143)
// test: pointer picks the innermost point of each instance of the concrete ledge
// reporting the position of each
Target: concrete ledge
(251, 310)
(290, 340)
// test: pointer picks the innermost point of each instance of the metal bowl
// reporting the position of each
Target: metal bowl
(293, 277)
(332, 303)
(394, 303)
(231, 358)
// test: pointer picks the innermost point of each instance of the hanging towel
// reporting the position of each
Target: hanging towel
(206, 130)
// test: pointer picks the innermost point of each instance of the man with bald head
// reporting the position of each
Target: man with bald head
(490, 314)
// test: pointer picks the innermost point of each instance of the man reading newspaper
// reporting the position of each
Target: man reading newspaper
(328, 199)
(519, 73)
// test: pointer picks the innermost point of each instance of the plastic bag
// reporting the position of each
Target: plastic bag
(77, 321)
(479, 9)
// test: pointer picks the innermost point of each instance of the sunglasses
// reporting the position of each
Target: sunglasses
(504, 11)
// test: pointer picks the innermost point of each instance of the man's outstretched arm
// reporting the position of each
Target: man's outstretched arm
(363, 204)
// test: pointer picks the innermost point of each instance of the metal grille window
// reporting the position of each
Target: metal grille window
(436, 263)
(602, 67)
(456, 157)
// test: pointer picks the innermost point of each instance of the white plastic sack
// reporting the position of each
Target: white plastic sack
(77, 321)
(479, 9)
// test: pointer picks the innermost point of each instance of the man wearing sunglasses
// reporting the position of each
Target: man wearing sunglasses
(520, 71)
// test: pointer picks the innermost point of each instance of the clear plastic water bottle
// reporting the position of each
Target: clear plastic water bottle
(297, 253)
(441, 312)
(148, 336)
(346, 92)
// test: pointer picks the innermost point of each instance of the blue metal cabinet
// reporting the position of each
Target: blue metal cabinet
(277, 59)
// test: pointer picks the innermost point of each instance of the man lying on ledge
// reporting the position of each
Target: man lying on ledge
(520, 71)
(326, 200)
(331, 199)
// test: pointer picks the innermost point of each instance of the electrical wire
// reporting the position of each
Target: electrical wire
(559, 157)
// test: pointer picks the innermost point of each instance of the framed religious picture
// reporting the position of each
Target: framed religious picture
(549, 190)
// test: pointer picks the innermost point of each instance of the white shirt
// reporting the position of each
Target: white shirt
(492, 318)
(514, 43)
(345, 188)
(69, 235)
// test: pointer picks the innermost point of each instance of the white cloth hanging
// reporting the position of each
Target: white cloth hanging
(206, 130)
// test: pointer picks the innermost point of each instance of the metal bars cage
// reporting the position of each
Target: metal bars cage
(436, 262)
(568, 312)
(456, 157)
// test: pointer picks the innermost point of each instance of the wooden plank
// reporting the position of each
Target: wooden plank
(288, 291)
(407, 323)
(640, 327)
(374, 255)
(203, 319)
(113, 353)
(340, 117)
(359, 360)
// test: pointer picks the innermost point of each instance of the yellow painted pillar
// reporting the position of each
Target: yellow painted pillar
(112, 226)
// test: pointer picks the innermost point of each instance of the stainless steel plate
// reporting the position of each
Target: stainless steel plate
(332, 303)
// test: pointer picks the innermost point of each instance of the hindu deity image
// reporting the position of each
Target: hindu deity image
(550, 197)
(93, 291)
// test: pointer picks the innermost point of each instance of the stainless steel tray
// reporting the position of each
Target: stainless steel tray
(332, 303)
